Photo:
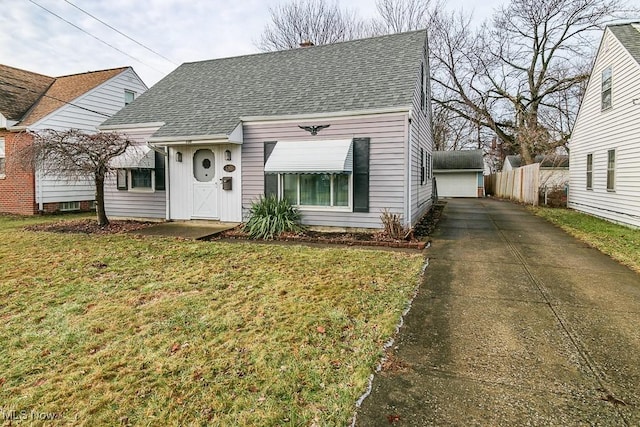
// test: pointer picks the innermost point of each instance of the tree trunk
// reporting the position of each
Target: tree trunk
(102, 215)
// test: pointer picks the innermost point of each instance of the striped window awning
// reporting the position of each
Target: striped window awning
(316, 156)
(135, 157)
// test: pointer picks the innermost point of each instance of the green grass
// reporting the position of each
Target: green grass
(619, 242)
(119, 329)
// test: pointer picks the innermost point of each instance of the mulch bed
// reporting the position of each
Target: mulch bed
(90, 226)
(417, 240)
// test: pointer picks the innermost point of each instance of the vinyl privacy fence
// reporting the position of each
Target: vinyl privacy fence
(520, 184)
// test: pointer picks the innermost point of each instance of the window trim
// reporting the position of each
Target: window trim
(127, 91)
(606, 85)
(150, 189)
(331, 208)
(590, 171)
(611, 170)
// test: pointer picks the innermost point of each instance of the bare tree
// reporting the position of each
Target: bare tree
(74, 154)
(452, 132)
(397, 16)
(309, 20)
(523, 72)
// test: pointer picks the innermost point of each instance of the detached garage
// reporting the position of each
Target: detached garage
(459, 173)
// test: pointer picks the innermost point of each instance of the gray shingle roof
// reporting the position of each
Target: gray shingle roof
(629, 36)
(209, 97)
(19, 90)
(456, 160)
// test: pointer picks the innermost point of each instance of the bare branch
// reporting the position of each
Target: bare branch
(309, 20)
(73, 154)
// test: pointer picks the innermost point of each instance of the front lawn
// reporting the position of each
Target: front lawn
(106, 330)
(619, 242)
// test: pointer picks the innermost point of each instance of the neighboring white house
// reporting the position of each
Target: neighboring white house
(78, 101)
(459, 173)
(341, 130)
(605, 143)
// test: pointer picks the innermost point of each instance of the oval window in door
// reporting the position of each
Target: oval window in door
(203, 161)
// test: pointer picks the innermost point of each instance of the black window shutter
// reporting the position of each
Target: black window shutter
(422, 100)
(270, 179)
(361, 174)
(422, 166)
(121, 179)
(160, 166)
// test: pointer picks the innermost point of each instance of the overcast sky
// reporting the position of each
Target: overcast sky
(181, 30)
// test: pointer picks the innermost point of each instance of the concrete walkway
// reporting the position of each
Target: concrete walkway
(516, 323)
(194, 230)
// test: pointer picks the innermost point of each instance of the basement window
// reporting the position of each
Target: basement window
(69, 206)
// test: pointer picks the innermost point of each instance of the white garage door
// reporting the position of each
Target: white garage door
(457, 184)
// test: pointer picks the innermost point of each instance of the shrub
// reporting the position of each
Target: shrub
(271, 217)
(393, 225)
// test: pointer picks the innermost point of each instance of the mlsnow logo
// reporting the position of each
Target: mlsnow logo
(24, 415)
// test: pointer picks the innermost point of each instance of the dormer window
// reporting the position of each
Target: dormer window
(129, 96)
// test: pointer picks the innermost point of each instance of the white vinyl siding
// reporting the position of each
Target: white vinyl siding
(106, 99)
(596, 132)
(421, 140)
(133, 204)
(386, 173)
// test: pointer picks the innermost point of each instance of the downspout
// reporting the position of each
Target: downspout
(167, 186)
(166, 177)
(408, 134)
(38, 184)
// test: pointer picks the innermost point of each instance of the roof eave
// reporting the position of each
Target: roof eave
(457, 170)
(347, 113)
(192, 139)
(148, 125)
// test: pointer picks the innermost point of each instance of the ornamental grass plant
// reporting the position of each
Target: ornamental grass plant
(270, 217)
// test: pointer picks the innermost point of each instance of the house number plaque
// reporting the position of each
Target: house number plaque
(229, 168)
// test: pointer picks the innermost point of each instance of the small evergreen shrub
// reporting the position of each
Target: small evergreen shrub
(271, 217)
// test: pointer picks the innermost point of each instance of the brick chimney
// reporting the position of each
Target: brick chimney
(306, 43)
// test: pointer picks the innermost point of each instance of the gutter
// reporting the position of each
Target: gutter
(149, 125)
(191, 139)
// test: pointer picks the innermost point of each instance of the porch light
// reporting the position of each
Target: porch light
(227, 155)
(178, 156)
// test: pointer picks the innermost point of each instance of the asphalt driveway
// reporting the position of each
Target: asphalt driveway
(516, 323)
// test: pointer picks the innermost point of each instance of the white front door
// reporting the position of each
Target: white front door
(205, 185)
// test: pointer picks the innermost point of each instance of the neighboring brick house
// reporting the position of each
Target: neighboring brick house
(32, 102)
